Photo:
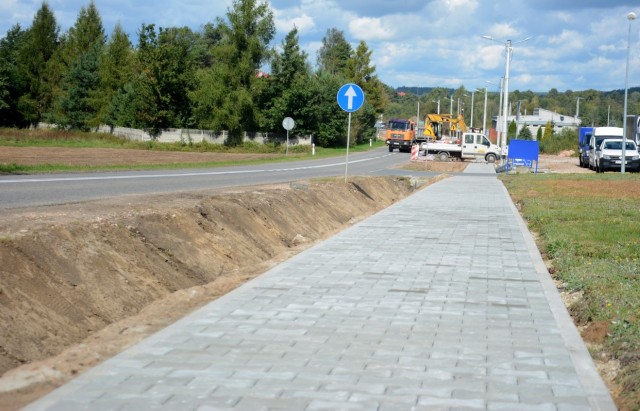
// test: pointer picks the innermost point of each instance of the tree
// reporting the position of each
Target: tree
(41, 42)
(77, 104)
(12, 84)
(548, 131)
(287, 87)
(74, 108)
(115, 71)
(334, 53)
(539, 134)
(224, 98)
(166, 77)
(86, 32)
(359, 70)
(525, 133)
(512, 130)
(330, 121)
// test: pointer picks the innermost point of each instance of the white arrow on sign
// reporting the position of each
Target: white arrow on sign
(350, 94)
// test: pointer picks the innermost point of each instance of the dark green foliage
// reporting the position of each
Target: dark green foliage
(565, 140)
(37, 49)
(334, 53)
(224, 96)
(525, 133)
(116, 71)
(12, 82)
(331, 121)
(75, 109)
(166, 75)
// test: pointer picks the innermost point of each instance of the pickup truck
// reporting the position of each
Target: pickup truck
(609, 155)
(470, 146)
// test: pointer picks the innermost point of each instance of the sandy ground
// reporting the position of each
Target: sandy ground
(80, 283)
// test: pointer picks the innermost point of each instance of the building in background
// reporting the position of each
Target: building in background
(539, 119)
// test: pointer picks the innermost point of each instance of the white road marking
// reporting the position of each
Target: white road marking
(207, 173)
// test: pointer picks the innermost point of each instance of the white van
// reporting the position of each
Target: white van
(599, 134)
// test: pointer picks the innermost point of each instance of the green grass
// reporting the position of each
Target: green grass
(589, 227)
(75, 139)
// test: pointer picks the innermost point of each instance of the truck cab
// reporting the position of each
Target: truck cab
(400, 134)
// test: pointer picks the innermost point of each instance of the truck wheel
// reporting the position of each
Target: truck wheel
(491, 158)
(390, 149)
(443, 156)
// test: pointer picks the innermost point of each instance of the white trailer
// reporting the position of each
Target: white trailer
(470, 146)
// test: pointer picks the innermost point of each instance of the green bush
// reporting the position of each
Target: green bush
(567, 139)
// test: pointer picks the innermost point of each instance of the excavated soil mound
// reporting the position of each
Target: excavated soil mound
(78, 283)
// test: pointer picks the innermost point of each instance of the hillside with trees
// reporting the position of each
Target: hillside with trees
(175, 77)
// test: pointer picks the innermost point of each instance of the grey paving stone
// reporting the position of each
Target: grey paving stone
(440, 302)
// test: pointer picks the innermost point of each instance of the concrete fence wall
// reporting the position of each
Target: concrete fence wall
(186, 136)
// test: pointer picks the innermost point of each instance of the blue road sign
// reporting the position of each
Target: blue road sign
(350, 97)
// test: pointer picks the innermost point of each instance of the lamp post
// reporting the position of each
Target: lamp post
(509, 50)
(578, 106)
(434, 101)
(484, 113)
(472, 94)
(631, 16)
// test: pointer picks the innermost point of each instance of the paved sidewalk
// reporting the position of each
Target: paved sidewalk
(440, 302)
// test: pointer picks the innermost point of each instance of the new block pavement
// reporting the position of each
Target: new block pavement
(440, 302)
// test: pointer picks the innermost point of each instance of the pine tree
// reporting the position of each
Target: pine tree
(115, 71)
(77, 102)
(12, 84)
(334, 53)
(41, 42)
(287, 87)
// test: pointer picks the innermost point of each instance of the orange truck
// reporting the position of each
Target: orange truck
(400, 134)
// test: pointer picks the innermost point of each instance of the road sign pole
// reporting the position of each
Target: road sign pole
(286, 151)
(346, 163)
(350, 98)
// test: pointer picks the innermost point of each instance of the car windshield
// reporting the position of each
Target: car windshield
(617, 145)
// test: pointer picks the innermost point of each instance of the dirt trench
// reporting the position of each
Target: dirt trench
(78, 283)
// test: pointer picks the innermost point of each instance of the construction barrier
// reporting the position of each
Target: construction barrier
(414, 152)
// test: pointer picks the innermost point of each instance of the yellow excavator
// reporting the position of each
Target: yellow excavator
(443, 127)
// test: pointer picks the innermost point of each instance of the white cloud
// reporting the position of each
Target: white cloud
(503, 32)
(285, 22)
(457, 5)
(367, 28)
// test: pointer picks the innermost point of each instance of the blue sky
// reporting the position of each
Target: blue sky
(575, 44)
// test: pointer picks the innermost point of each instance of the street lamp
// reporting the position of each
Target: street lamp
(472, 94)
(505, 110)
(484, 113)
(434, 101)
(631, 16)
(578, 106)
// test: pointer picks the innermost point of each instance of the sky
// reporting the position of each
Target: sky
(563, 44)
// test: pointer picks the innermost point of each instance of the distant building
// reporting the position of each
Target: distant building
(539, 119)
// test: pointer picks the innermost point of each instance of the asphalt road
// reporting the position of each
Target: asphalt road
(22, 191)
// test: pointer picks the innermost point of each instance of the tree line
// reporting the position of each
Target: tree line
(179, 78)
(211, 78)
(593, 107)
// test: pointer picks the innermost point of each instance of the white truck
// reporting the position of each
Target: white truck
(470, 146)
